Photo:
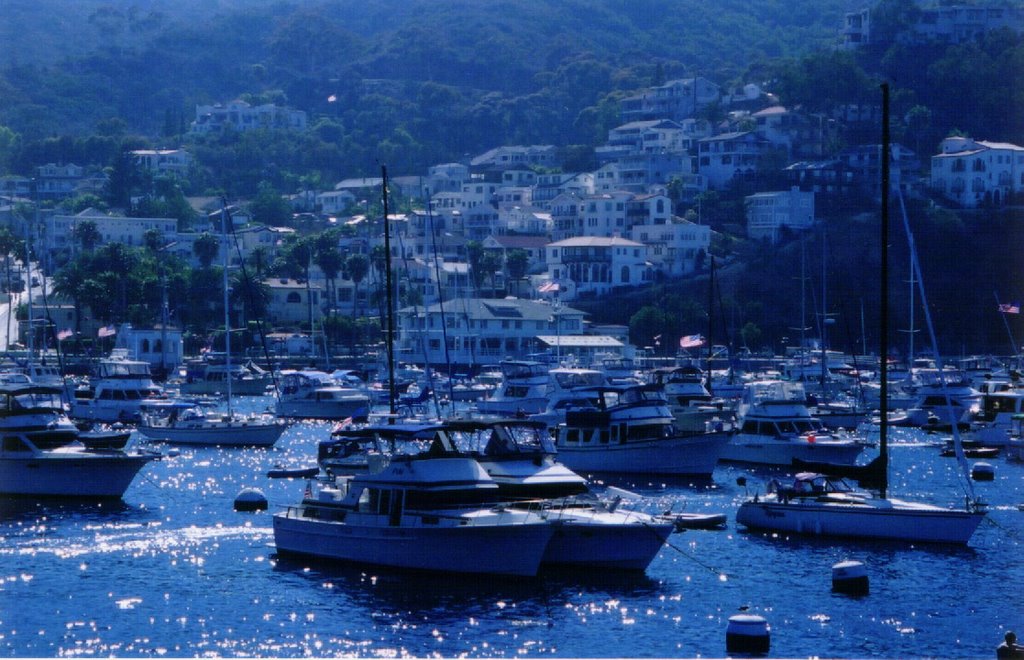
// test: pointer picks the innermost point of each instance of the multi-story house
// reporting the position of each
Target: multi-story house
(334, 202)
(446, 177)
(55, 181)
(604, 214)
(481, 331)
(724, 156)
(59, 232)
(595, 265)
(950, 24)
(566, 219)
(676, 99)
(769, 212)
(550, 186)
(163, 161)
(865, 161)
(675, 247)
(974, 173)
(800, 135)
(524, 220)
(293, 303)
(516, 157)
(532, 245)
(240, 116)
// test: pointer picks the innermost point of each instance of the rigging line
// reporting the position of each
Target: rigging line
(251, 292)
(722, 575)
(440, 305)
(423, 344)
(843, 313)
(916, 264)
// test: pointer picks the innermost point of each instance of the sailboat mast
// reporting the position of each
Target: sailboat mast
(883, 339)
(711, 306)
(227, 310)
(390, 340)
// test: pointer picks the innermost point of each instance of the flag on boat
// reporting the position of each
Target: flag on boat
(1010, 308)
(308, 493)
(549, 287)
(691, 341)
(64, 334)
(107, 331)
(342, 425)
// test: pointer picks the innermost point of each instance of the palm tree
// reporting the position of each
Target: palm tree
(87, 234)
(206, 247)
(357, 266)
(517, 261)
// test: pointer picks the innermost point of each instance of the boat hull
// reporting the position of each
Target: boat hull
(694, 455)
(79, 474)
(891, 520)
(238, 434)
(782, 452)
(614, 544)
(499, 549)
(238, 387)
(336, 409)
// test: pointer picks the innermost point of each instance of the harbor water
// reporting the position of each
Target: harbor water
(174, 570)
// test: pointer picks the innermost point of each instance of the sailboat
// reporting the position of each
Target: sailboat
(822, 505)
(187, 423)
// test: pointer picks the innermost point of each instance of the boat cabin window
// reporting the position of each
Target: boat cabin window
(572, 436)
(750, 426)
(14, 443)
(648, 431)
(603, 435)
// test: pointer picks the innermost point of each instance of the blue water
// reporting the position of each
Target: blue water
(175, 571)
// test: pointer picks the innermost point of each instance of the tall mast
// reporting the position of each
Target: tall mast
(390, 340)
(883, 339)
(227, 309)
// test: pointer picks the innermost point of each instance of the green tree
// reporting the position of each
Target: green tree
(269, 207)
(517, 261)
(357, 265)
(87, 234)
(206, 248)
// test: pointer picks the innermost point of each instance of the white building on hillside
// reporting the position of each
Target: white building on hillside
(594, 265)
(769, 212)
(481, 331)
(674, 248)
(973, 173)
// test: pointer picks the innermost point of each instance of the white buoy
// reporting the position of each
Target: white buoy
(983, 471)
(250, 499)
(747, 633)
(849, 577)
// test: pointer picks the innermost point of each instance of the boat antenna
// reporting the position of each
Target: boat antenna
(390, 340)
(883, 339)
(440, 304)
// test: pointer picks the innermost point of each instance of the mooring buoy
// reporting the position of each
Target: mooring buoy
(849, 577)
(747, 633)
(250, 499)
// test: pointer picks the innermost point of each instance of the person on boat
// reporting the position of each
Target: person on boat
(1009, 648)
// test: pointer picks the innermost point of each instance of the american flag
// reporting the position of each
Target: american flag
(691, 341)
(64, 334)
(1010, 308)
(548, 287)
(107, 331)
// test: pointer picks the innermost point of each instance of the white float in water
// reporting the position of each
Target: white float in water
(747, 633)
(250, 499)
(849, 577)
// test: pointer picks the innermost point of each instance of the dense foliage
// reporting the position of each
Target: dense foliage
(411, 83)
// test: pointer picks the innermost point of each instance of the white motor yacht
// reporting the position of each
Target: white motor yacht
(313, 394)
(41, 453)
(775, 427)
(630, 429)
(523, 389)
(180, 422)
(116, 391)
(419, 512)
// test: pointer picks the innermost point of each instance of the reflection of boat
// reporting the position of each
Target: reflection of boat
(312, 394)
(41, 453)
(630, 429)
(827, 506)
(418, 512)
(187, 423)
